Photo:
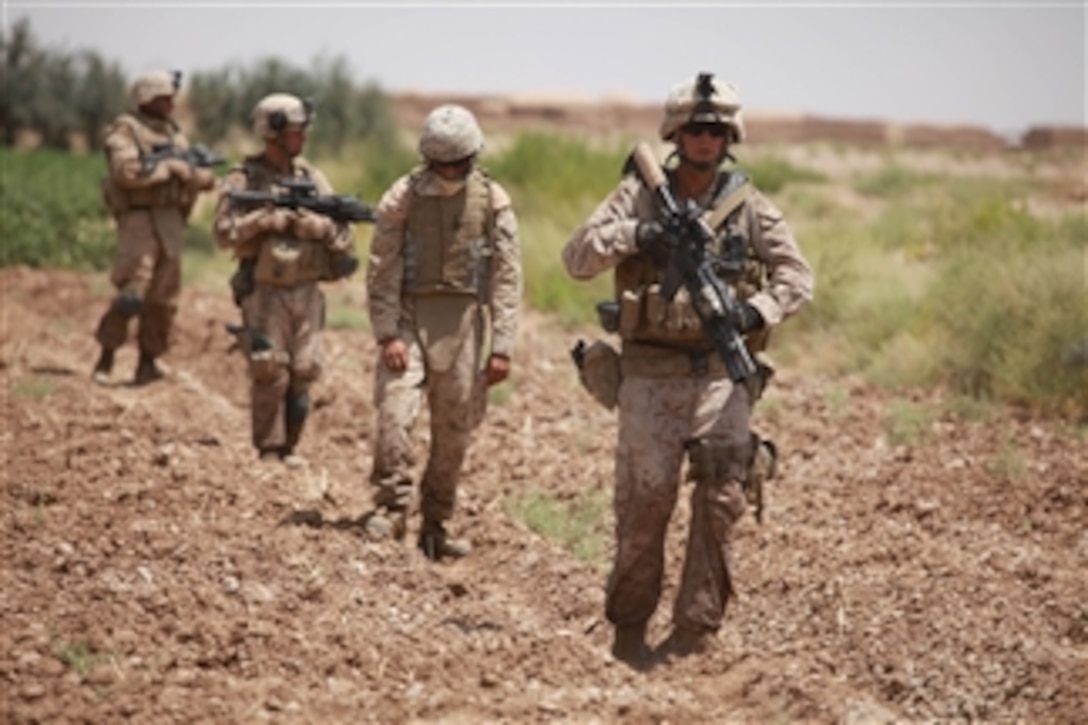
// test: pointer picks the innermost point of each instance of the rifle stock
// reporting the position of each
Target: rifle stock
(688, 266)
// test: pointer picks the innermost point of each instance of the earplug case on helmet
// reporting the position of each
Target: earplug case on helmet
(450, 133)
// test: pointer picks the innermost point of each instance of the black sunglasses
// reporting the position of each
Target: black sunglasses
(458, 163)
(716, 130)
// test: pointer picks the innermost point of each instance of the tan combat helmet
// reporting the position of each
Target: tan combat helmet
(276, 112)
(703, 99)
(153, 84)
(450, 133)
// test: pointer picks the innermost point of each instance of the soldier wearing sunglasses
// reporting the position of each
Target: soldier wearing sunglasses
(677, 403)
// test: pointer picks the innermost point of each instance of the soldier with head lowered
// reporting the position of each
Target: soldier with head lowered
(283, 253)
(150, 187)
(444, 276)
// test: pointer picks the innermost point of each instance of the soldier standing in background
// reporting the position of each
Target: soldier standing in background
(444, 275)
(283, 253)
(151, 196)
(674, 394)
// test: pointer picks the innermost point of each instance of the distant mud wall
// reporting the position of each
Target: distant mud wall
(606, 116)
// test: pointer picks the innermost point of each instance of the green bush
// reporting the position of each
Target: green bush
(1008, 303)
(772, 173)
(547, 172)
(53, 212)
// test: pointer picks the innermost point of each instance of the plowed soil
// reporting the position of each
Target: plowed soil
(153, 571)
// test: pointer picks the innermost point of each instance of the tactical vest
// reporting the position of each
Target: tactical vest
(645, 316)
(283, 260)
(171, 193)
(448, 239)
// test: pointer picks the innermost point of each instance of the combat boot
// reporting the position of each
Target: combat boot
(685, 641)
(629, 645)
(103, 367)
(146, 370)
(387, 523)
(436, 544)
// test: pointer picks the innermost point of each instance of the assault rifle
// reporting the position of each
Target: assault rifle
(302, 194)
(198, 155)
(689, 265)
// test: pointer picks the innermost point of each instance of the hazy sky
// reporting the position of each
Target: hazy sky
(1002, 65)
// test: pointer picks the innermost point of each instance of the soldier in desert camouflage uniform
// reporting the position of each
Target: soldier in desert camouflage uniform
(151, 206)
(283, 253)
(674, 394)
(444, 276)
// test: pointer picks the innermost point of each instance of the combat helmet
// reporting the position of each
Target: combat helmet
(152, 84)
(703, 99)
(275, 112)
(450, 133)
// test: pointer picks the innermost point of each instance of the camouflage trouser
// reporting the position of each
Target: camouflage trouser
(285, 357)
(142, 266)
(658, 418)
(398, 398)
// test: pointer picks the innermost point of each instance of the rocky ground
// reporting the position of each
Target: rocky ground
(152, 571)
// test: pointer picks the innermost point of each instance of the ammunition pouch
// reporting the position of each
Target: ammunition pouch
(645, 314)
(287, 262)
(608, 314)
(599, 371)
(714, 462)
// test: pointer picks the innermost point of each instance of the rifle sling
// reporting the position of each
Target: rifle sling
(730, 203)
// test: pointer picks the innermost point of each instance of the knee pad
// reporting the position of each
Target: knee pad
(266, 366)
(306, 372)
(710, 462)
(128, 304)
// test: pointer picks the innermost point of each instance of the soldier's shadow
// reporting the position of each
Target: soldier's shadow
(316, 520)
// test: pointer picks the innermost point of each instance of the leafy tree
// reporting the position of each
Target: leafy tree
(101, 94)
(18, 55)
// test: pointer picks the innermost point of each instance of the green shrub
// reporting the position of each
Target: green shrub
(53, 213)
(773, 173)
(890, 181)
(1008, 305)
(547, 172)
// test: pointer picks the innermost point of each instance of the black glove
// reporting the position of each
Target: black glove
(345, 266)
(747, 318)
(652, 240)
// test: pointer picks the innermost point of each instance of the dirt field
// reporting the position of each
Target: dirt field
(154, 572)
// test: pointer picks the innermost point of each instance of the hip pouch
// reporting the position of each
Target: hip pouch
(285, 262)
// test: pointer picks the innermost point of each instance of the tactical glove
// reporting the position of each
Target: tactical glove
(179, 169)
(312, 227)
(651, 240)
(276, 220)
(747, 318)
(345, 266)
(203, 179)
